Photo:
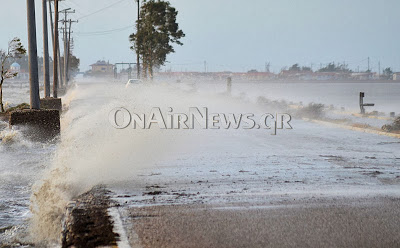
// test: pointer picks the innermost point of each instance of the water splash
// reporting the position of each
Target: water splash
(92, 152)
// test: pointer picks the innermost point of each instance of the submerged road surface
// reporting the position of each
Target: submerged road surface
(315, 187)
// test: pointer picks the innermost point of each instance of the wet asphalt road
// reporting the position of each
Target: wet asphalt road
(320, 223)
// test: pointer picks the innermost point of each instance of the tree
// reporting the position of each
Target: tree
(158, 30)
(74, 63)
(295, 67)
(388, 73)
(332, 67)
(15, 50)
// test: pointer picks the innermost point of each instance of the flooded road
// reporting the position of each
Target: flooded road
(203, 168)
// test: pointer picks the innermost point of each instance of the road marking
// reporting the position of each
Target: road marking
(119, 228)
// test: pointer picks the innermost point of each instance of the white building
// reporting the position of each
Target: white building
(15, 67)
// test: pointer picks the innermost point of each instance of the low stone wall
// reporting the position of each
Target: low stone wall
(4, 117)
(40, 124)
(87, 222)
(51, 103)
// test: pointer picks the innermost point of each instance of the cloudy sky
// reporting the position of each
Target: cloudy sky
(235, 35)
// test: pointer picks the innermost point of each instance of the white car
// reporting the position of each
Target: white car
(133, 81)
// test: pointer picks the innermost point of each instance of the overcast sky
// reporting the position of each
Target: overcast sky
(235, 35)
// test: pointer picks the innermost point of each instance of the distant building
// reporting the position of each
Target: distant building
(21, 74)
(15, 68)
(102, 67)
(396, 76)
(363, 75)
(296, 75)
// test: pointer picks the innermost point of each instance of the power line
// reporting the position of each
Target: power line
(100, 10)
(104, 32)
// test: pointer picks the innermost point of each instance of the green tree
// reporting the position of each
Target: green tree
(388, 73)
(15, 50)
(332, 67)
(306, 68)
(295, 67)
(158, 31)
(74, 63)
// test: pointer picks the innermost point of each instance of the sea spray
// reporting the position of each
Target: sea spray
(93, 152)
(8, 137)
(13, 139)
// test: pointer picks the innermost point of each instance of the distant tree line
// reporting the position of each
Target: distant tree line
(331, 67)
(24, 63)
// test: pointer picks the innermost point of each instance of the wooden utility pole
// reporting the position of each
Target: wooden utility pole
(379, 70)
(65, 39)
(32, 51)
(368, 65)
(55, 49)
(65, 50)
(137, 47)
(46, 64)
(69, 47)
(52, 38)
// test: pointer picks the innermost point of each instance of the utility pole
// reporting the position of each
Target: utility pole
(65, 38)
(59, 75)
(69, 47)
(137, 47)
(268, 67)
(46, 64)
(65, 49)
(368, 65)
(55, 49)
(379, 70)
(33, 61)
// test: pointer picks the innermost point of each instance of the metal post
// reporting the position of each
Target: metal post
(229, 85)
(33, 61)
(362, 103)
(55, 49)
(46, 69)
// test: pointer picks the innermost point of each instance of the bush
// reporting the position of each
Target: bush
(312, 111)
(395, 126)
(281, 105)
(19, 107)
